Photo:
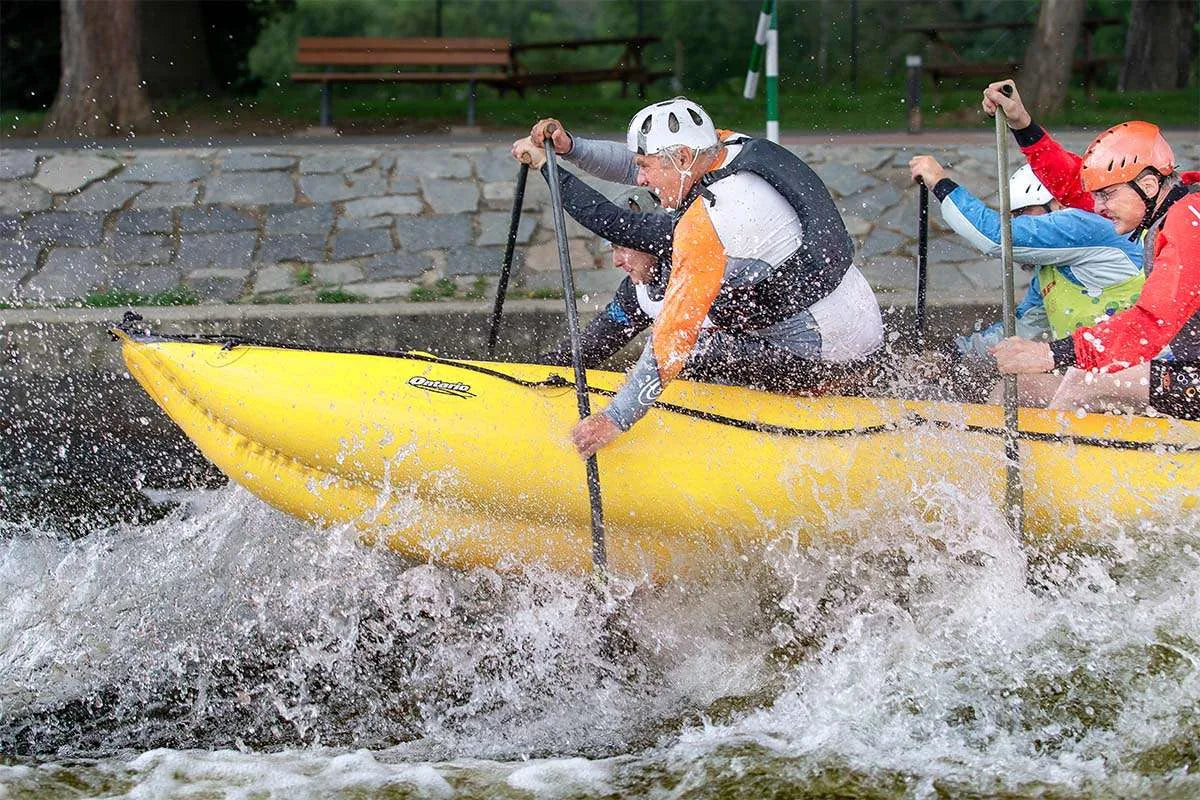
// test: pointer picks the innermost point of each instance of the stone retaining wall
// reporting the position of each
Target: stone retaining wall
(282, 223)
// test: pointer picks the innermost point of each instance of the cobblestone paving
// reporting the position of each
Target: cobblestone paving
(285, 224)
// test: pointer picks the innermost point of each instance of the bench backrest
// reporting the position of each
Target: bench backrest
(370, 51)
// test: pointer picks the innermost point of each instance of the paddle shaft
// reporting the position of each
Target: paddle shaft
(922, 257)
(506, 268)
(1014, 500)
(599, 556)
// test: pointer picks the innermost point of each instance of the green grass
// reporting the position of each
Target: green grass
(22, 123)
(118, 298)
(804, 108)
(442, 289)
(478, 289)
(304, 275)
(338, 295)
(816, 109)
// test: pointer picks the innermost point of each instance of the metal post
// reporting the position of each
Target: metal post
(854, 44)
(326, 105)
(1014, 500)
(470, 104)
(599, 556)
(677, 73)
(756, 53)
(913, 63)
(506, 267)
(437, 32)
(773, 75)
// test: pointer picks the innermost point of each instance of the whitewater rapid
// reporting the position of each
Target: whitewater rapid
(228, 650)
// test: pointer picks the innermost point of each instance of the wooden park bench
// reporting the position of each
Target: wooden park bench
(348, 59)
(495, 62)
(946, 62)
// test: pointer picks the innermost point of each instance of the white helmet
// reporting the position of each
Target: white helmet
(670, 123)
(1025, 190)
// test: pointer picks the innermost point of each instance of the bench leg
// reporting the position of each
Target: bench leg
(326, 106)
(470, 104)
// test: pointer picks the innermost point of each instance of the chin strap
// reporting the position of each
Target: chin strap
(1152, 215)
(684, 174)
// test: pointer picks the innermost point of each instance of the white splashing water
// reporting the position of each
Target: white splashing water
(229, 651)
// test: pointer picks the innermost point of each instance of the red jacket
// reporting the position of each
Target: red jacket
(1171, 295)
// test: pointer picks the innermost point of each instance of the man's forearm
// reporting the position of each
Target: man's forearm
(606, 160)
(611, 330)
(650, 233)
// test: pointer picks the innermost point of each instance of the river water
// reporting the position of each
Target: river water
(226, 650)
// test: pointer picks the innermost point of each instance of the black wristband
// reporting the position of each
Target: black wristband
(1029, 135)
(943, 188)
(1063, 351)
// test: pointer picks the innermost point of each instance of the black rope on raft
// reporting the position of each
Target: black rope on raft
(907, 422)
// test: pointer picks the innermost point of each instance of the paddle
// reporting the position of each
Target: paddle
(1013, 495)
(922, 258)
(506, 269)
(599, 557)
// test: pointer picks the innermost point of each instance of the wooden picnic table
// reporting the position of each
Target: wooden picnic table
(949, 62)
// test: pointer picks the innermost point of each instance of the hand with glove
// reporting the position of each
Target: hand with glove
(976, 344)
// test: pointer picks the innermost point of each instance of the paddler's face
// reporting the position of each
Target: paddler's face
(1121, 204)
(638, 265)
(661, 174)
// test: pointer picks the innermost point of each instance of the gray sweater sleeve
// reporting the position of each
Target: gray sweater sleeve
(639, 392)
(608, 161)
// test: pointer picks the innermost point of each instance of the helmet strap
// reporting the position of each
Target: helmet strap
(1147, 218)
(1177, 192)
(684, 173)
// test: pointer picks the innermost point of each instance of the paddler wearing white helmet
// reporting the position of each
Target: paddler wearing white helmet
(759, 284)
(1084, 270)
(1129, 175)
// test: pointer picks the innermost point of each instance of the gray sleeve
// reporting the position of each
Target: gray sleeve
(639, 392)
(608, 161)
(1033, 324)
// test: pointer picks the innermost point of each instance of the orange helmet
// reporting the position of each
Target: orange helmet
(1121, 153)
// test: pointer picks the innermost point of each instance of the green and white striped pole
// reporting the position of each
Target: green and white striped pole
(773, 75)
(756, 55)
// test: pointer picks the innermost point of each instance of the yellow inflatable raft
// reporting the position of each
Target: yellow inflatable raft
(469, 463)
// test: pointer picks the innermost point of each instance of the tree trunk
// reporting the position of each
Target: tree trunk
(1158, 45)
(99, 90)
(1046, 75)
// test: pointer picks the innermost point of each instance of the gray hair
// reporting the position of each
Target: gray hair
(697, 155)
(1165, 181)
